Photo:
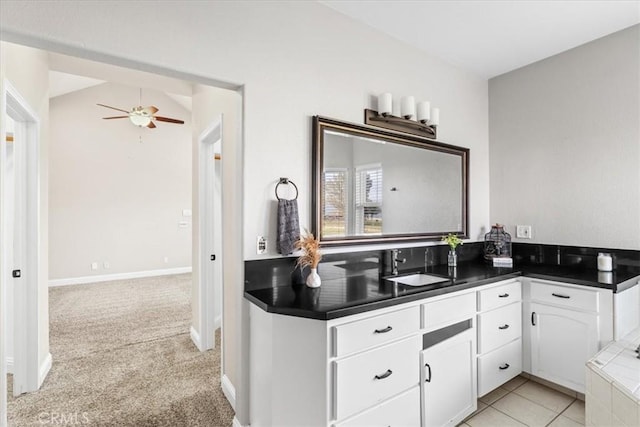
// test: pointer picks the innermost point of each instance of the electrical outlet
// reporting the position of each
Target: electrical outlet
(523, 232)
(94, 265)
(166, 260)
(106, 265)
(261, 245)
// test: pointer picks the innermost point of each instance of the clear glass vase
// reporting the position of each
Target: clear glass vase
(452, 258)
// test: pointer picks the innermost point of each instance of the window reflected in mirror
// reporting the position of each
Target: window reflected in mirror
(374, 185)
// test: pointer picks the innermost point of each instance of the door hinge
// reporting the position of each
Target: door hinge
(16, 273)
(213, 257)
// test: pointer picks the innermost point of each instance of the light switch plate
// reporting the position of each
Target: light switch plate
(523, 231)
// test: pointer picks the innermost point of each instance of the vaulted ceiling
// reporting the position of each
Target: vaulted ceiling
(490, 38)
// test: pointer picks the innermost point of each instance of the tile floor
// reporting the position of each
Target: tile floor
(522, 402)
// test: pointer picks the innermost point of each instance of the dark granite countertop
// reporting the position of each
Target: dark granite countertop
(363, 289)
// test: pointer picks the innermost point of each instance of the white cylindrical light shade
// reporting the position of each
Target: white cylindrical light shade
(435, 116)
(408, 107)
(385, 103)
(424, 111)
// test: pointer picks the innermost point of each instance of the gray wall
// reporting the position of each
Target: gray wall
(565, 145)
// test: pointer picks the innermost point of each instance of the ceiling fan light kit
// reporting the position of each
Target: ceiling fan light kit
(142, 116)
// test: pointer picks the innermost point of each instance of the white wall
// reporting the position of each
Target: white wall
(117, 191)
(565, 145)
(295, 59)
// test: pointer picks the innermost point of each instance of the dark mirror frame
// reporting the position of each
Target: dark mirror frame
(321, 123)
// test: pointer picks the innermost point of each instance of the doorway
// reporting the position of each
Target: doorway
(210, 250)
(39, 373)
(20, 217)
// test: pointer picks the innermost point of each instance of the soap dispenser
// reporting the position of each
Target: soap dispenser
(605, 261)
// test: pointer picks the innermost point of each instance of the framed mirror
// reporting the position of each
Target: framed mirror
(372, 185)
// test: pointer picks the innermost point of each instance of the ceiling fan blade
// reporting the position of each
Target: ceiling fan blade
(116, 117)
(151, 125)
(114, 108)
(152, 109)
(168, 119)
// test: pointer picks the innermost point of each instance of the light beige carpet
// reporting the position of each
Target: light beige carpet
(122, 356)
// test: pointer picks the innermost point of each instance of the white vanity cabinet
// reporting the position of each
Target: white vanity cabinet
(567, 324)
(449, 380)
(448, 362)
(499, 335)
(367, 369)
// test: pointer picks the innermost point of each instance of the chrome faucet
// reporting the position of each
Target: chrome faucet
(395, 261)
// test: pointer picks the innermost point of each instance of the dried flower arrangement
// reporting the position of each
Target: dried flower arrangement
(310, 247)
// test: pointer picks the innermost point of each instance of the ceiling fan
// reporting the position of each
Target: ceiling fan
(142, 116)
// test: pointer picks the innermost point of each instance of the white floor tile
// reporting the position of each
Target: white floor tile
(563, 421)
(496, 394)
(491, 417)
(515, 383)
(524, 410)
(550, 399)
(576, 412)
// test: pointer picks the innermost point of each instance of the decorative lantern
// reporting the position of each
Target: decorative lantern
(497, 243)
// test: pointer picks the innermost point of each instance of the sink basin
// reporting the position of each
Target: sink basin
(418, 279)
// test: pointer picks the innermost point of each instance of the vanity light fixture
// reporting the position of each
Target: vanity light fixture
(422, 122)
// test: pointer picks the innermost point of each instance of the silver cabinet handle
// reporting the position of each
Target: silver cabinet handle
(503, 367)
(505, 326)
(505, 295)
(383, 331)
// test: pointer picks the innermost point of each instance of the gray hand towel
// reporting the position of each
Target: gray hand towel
(288, 226)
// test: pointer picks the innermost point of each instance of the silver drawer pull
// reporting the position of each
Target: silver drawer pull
(385, 375)
(383, 331)
(505, 295)
(561, 296)
(503, 367)
(503, 327)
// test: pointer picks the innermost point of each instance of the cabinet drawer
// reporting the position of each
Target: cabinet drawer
(565, 296)
(366, 379)
(499, 326)
(448, 310)
(498, 296)
(499, 366)
(400, 411)
(365, 333)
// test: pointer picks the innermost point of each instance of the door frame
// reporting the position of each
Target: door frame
(26, 376)
(209, 235)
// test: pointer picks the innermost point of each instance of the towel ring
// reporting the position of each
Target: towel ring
(286, 181)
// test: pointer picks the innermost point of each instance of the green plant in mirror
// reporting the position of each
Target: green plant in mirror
(452, 240)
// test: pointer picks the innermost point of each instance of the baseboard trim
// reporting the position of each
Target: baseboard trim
(195, 337)
(229, 392)
(236, 423)
(9, 365)
(118, 276)
(45, 367)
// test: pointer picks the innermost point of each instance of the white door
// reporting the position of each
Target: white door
(210, 237)
(448, 379)
(562, 341)
(20, 257)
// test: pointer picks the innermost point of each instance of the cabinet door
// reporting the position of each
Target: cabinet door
(449, 381)
(562, 341)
